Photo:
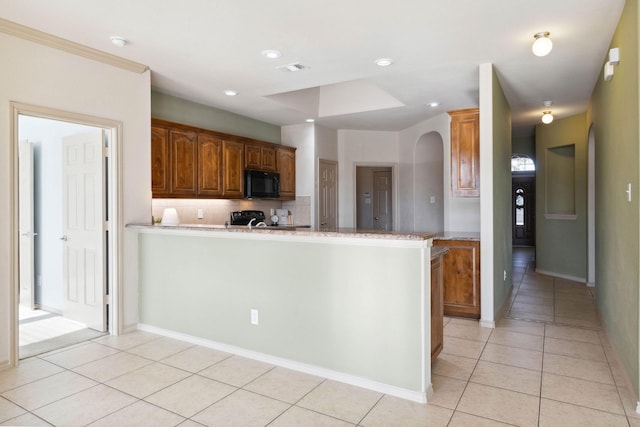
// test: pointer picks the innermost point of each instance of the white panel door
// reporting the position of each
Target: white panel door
(84, 231)
(27, 233)
(328, 197)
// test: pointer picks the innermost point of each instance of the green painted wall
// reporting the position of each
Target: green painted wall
(561, 245)
(351, 308)
(502, 230)
(524, 145)
(615, 110)
(171, 108)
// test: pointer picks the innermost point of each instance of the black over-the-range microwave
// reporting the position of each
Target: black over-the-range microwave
(261, 185)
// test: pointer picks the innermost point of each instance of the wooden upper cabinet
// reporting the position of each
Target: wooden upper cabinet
(465, 152)
(160, 172)
(184, 173)
(233, 169)
(286, 167)
(209, 165)
(261, 157)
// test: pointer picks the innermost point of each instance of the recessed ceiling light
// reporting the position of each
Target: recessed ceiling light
(230, 92)
(271, 53)
(310, 120)
(119, 41)
(433, 104)
(383, 62)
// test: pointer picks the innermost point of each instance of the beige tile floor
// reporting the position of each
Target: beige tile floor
(546, 364)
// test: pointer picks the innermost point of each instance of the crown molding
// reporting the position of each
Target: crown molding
(68, 46)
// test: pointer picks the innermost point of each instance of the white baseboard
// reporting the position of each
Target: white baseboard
(591, 284)
(487, 323)
(562, 276)
(49, 309)
(391, 390)
(129, 328)
(4, 364)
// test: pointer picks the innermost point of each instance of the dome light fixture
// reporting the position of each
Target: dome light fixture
(433, 104)
(119, 41)
(230, 92)
(310, 120)
(542, 44)
(547, 117)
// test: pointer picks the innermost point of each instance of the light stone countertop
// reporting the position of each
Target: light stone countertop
(457, 235)
(291, 230)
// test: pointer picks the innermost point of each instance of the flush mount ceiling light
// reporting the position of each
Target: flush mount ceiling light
(230, 92)
(119, 41)
(310, 120)
(433, 104)
(542, 44)
(271, 53)
(383, 62)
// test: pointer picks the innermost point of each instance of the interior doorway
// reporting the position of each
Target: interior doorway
(328, 194)
(523, 210)
(374, 201)
(63, 214)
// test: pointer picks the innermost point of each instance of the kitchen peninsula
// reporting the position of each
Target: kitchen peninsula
(346, 305)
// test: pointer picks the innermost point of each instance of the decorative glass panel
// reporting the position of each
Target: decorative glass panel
(522, 163)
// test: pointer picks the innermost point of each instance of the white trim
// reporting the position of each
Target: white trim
(487, 324)
(115, 201)
(293, 365)
(591, 284)
(562, 276)
(637, 407)
(68, 46)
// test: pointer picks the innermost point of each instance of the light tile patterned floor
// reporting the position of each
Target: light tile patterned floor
(546, 364)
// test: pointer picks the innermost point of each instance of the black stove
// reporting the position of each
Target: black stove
(244, 217)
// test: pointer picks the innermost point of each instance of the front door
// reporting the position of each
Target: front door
(382, 212)
(84, 229)
(523, 210)
(328, 195)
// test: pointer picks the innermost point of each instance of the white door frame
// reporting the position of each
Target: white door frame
(114, 202)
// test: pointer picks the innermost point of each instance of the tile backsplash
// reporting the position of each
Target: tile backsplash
(217, 211)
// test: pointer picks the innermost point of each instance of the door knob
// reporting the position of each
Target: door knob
(323, 223)
(377, 218)
(64, 238)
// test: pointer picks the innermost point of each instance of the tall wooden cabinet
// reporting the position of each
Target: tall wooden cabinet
(160, 176)
(461, 277)
(209, 165)
(465, 152)
(233, 169)
(183, 149)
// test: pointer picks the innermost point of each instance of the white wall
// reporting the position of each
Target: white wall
(46, 136)
(38, 75)
(429, 183)
(363, 148)
(460, 214)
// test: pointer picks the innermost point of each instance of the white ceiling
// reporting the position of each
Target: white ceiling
(198, 48)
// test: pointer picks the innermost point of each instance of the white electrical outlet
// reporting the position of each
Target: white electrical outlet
(432, 199)
(200, 214)
(254, 317)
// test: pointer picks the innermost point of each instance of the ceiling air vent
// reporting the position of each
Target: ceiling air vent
(292, 67)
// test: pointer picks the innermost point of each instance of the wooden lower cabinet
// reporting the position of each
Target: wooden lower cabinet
(461, 277)
(437, 309)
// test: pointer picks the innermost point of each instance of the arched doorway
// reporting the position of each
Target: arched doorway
(428, 186)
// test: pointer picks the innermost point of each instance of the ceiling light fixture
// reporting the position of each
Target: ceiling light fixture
(119, 41)
(547, 117)
(542, 44)
(230, 92)
(383, 62)
(309, 120)
(271, 53)
(292, 67)
(433, 104)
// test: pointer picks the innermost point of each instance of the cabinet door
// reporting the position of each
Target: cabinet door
(183, 146)
(465, 153)
(209, 166)
(286, 163)
(233, 175)
(268, 159)
(437, 308)
(160, 176)
(252, 157)
(461, 278)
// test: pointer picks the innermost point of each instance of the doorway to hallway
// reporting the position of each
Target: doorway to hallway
(63, 215)
(374, 201)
